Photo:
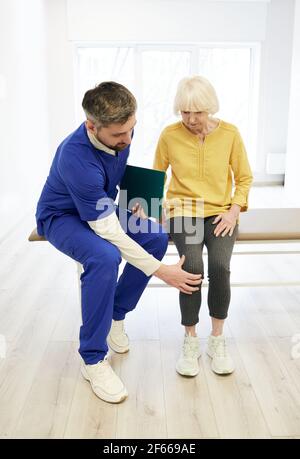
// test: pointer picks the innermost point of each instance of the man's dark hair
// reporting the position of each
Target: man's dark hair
(109, 102)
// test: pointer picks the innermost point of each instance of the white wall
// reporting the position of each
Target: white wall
(292, 177)
(36, 100)
(276, 55)
(166, 20)
(60, 73)
(24, 150)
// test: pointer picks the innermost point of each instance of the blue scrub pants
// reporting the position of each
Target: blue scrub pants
(103, 296)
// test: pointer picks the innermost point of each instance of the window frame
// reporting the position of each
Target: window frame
(193, 48)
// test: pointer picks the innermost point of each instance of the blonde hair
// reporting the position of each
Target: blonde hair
(196, 94)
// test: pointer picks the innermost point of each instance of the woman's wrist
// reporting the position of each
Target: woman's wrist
(235, 210)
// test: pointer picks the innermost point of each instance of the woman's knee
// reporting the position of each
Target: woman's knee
(218, 268)
(193, 263)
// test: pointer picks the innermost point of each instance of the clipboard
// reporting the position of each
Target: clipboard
(145, 186)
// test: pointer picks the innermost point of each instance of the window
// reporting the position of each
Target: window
(152, 73)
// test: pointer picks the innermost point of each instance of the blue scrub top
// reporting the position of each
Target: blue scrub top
(80, 176)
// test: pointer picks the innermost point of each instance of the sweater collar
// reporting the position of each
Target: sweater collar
(99, 145)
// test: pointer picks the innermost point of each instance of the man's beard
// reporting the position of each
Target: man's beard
(119, 146)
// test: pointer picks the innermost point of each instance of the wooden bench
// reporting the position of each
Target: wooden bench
(257, 226)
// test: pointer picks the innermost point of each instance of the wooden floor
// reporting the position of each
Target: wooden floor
(42, 394)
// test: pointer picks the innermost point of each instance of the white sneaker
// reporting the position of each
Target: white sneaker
(187, 364)
(104, 381)
(117, 339)
(222, 362)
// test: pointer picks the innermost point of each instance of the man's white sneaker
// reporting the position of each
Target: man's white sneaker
(104, 381)
(117, 339)
(222, 362)
(187, 364)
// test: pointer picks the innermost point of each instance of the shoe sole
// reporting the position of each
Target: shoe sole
(189, 375)
(116, 348)
(220, 372)
(103, 396)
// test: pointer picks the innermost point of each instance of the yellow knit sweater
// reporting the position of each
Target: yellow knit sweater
(207, 178)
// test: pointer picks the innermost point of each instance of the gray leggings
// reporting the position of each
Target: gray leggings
(189, 235)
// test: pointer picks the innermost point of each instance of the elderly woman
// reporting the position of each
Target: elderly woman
(204, 153)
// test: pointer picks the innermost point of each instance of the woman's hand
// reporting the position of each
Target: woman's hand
(138, 211)
(226, 221)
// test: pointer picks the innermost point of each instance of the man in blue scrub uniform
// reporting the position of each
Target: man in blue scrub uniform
(77, 214)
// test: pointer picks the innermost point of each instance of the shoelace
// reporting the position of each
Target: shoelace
(107, 372)
(220, 349)
(190, 349)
